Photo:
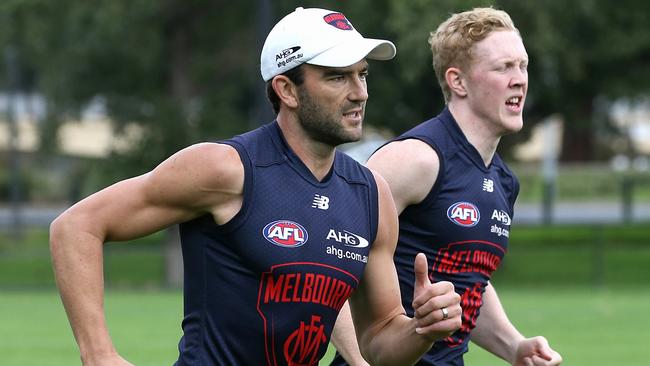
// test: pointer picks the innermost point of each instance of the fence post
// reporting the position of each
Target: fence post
(627, 190)
(15, 169)
(598, 257)
(549, 167)
(173, 258)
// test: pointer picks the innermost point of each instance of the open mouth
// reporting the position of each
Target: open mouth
(355, 114)
(514, 102)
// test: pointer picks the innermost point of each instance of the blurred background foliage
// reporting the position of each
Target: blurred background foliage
(188, 71)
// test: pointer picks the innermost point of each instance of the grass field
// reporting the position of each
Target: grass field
(589, 327)
(553, 282)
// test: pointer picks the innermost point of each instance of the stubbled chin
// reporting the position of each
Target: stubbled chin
(356, 134)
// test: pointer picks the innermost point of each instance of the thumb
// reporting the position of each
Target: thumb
(421, 271)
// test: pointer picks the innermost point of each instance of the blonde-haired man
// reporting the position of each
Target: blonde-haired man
(454, 194)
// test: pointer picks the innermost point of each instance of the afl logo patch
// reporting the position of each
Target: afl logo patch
(464, 214)
(338, 20)
(285, 233)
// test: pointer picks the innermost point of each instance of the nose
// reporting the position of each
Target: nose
(519, 78)
(359, 90)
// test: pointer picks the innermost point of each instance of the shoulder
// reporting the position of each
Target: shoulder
(207, 151)
(206, 156)
(205, 167)
(413, 153)
(410, 167)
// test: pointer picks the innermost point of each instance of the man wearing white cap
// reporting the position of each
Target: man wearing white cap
(278, 228)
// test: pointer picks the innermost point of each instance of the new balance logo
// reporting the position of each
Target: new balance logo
(488, 185)
(321, 202)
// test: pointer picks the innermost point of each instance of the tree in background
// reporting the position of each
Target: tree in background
(182, 70)
(588, 52)
(582, 52)
(187, 71)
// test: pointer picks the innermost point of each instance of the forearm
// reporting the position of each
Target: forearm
(494, 332)
(345, 340)
(77, 260)
(397, 343)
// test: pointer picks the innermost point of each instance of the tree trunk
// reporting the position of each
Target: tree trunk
(181, 86)
(578, 141)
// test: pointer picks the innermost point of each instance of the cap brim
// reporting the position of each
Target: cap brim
(349, 53)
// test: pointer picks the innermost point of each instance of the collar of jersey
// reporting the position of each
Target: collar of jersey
(461, 140)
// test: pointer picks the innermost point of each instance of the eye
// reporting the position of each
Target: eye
(363, 75)
(502, 67)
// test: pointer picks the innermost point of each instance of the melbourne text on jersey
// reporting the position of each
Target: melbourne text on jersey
(306, 288)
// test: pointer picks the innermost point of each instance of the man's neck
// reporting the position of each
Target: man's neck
(477, 131)
(317, 156)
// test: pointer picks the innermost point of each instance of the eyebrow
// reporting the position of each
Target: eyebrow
(331, 71)
(511, 59)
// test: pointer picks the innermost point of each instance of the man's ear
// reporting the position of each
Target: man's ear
(455, 81)
(286, 90)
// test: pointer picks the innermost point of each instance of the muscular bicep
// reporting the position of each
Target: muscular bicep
(410, 168)
(205, 178)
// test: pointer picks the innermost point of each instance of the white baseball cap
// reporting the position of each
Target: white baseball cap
(318, 37)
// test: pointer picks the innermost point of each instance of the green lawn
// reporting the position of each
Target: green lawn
(552, 282)
(589, 327)
(145, 327)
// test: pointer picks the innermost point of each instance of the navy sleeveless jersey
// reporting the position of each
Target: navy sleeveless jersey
(266, 287)
(462, 226)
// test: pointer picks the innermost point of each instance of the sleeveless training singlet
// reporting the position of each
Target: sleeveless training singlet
(266, 287)
(462, 226)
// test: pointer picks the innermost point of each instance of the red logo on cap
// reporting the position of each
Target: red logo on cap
(338, 20)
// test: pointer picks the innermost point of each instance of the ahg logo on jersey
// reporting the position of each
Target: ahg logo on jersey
(464, 214)
(347, 238)
(285, 233)
(501, 216)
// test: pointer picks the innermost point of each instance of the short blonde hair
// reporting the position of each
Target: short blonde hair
(452, 43)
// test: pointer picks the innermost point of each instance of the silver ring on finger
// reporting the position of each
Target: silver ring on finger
(445, 313)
